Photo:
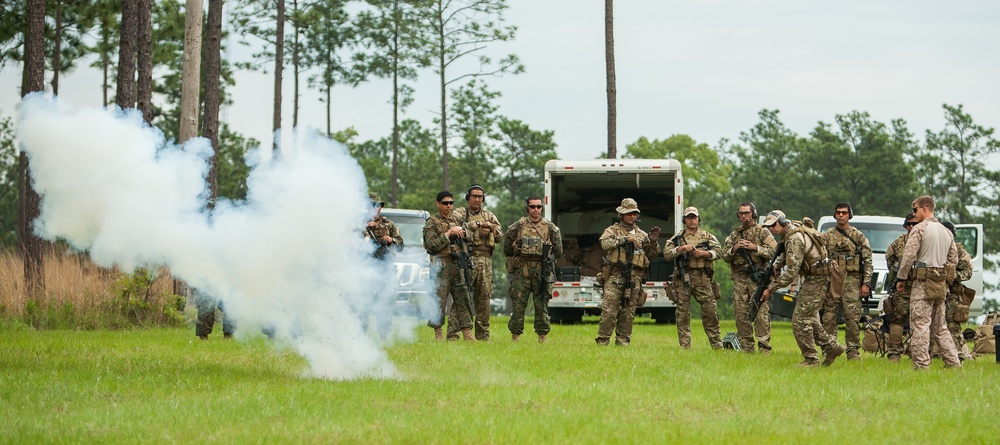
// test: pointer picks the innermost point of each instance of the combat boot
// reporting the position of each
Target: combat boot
(515, 337)
(438, 334)
(227, 336)
(833, 353)
(541, 338)
(808, 364)
(203, 337)
(467, 334)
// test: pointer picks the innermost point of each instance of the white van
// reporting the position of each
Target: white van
(883, 230)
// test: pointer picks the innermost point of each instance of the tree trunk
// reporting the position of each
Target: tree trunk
(144, 58)
(126, 56)
(191, 76)
(609, 52)
(394, 181)
(28, 201)
(57, 54)
(279, 55)
(444, 104)
(105, 63)
(295, 65)
(213, 94)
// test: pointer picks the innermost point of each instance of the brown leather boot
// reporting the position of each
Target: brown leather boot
(467, 334)
(438, 334)
(833, 353)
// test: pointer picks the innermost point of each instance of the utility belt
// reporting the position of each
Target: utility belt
(481, 253)
(481, 249)
(850, 263)
(820, 268)
(615, 267)
(701, 270)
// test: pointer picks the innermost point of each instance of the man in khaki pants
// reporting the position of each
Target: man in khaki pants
(930, 257)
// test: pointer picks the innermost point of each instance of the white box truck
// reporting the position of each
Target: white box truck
(883, 230)
(580, 198)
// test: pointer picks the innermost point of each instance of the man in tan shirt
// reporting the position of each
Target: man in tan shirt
(930, 257)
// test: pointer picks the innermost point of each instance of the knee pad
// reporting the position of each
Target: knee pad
(895, 334)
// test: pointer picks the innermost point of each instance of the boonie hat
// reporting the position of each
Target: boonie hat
(628, 206)
(773, 217)
(376, 200)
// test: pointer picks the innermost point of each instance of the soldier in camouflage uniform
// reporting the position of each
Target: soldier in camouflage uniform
(617, 303)
(440, 233)
(383, 233)
(805, 256)
(898, 305)
(849, 247)
(957, 311)
(207, 305)
(758, 244)
(484, 229)
(698, 279)
(523, 246)
(930, 257)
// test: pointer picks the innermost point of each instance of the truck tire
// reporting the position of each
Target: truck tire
(665, 316)
(565, 316)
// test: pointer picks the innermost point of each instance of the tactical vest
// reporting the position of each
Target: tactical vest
(442, 225)
(478, 239)
(617, 254)
(752, 234)
(531, 237)
(844, 249)
(699, 237)
(381, 228)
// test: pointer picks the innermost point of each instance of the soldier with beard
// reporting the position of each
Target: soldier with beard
(749, 246)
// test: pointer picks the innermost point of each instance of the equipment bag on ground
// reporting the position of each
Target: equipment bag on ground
(985, 342)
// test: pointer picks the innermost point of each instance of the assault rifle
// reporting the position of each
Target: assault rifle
(548, 266)
(381, 248)
(763, 281)
(465, 266)
(861, 263)
(626, 267)
(681, 262)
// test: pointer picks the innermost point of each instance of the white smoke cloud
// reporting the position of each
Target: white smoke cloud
(291, 258)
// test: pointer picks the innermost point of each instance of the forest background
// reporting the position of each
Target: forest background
(327, 46)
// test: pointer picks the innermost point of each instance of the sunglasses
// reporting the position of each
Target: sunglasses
(535, 206)
(841, 212)
(909, 224)
(477, 196)
(743, 213)
(447, 203)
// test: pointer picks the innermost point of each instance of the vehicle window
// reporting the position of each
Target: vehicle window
(411, 228)
(879, 235)
(967, 236)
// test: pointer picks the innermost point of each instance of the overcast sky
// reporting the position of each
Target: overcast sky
(699, 68)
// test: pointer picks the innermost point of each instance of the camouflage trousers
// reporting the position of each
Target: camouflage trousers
(482, 292)
(806, 326)
(954, 329)
(926, 321)
(207, 306)
(523, 288)
(851, 302)
(701, 291)
(743, 290)
(451, 282)
(900, 321)
(618, 309)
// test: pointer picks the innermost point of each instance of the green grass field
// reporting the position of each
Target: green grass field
(165, 386)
